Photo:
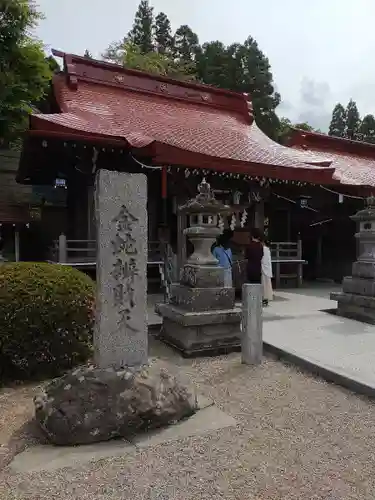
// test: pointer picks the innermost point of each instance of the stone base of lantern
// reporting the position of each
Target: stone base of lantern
(200, 333)
(354, 306)
(202, 299)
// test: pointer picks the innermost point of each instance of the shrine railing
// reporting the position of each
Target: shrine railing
(82, 255)
(83, 252)
(287, 261)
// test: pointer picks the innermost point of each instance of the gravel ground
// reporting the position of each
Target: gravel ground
(297, 438)
(16, 407)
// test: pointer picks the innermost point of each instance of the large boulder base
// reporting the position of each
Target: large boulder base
(89, 404)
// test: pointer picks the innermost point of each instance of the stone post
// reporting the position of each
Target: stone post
(120, 338)
(252, 328)
(63, 252)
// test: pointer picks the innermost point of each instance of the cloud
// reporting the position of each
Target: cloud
(285, 107)
(319, 119)
(314, 93)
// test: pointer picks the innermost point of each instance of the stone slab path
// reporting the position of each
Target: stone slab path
(49, 458)
(339, 349)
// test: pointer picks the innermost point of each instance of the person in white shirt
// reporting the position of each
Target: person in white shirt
(266, 274)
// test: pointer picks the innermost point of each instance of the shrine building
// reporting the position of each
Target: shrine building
(104, 116)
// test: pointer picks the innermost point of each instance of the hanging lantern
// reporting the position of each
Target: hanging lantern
(304, 201)
(60, 183)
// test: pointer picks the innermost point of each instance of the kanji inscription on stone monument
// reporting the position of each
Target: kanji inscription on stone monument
(125, 267)
(121, 326)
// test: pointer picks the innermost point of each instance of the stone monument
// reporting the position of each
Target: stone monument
(201, 316)
(121, 305)
(123, 393)
(357, 299)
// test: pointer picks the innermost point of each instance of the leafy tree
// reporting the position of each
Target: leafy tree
(53, 64)
(213, 62)
(141, 32)
(242, 68)
(259, 84)
(24, 70)
(353, 120)
(249, 71)
(285, 129)
(304, 126)
(338, 121)
(88, 54)
(366, 131)
(163, 34)
(186, 44)
(130, 56)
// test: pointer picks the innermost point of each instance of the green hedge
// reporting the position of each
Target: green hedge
(46, 319)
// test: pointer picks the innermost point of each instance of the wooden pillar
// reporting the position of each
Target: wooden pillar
(164, 194)
(78, 215)
(289, 225)
(259, 215)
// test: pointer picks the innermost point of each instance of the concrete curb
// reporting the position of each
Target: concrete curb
(329, 374)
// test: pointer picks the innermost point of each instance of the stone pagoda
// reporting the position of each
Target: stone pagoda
(201, 316)
(357, 299)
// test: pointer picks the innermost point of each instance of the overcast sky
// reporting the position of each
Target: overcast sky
(320, 51)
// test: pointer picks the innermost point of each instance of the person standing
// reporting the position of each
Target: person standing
(223, 254)
(254, 255)
(267, 274)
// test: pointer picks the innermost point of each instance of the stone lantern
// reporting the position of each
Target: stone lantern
(357, 299)
(203, 212)
(201, 316)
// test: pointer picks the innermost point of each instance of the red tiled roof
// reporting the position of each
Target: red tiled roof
(209, 126)
(353, 161)
(349, 168)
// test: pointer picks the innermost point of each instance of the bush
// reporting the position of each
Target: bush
(46, 319)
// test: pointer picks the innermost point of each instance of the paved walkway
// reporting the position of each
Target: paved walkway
(340, 349)
(297, 328)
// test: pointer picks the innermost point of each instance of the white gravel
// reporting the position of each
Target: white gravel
(297, 438)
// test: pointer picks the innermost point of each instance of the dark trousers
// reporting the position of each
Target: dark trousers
(254, 278)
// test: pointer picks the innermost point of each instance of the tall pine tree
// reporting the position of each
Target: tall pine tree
(367, 129)
(353, 121)
(163, 34)
(213, 65)
(338, 121)
(259, 84)
(250, 72)
(141, 33)
(242, 68)
(186, 44)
